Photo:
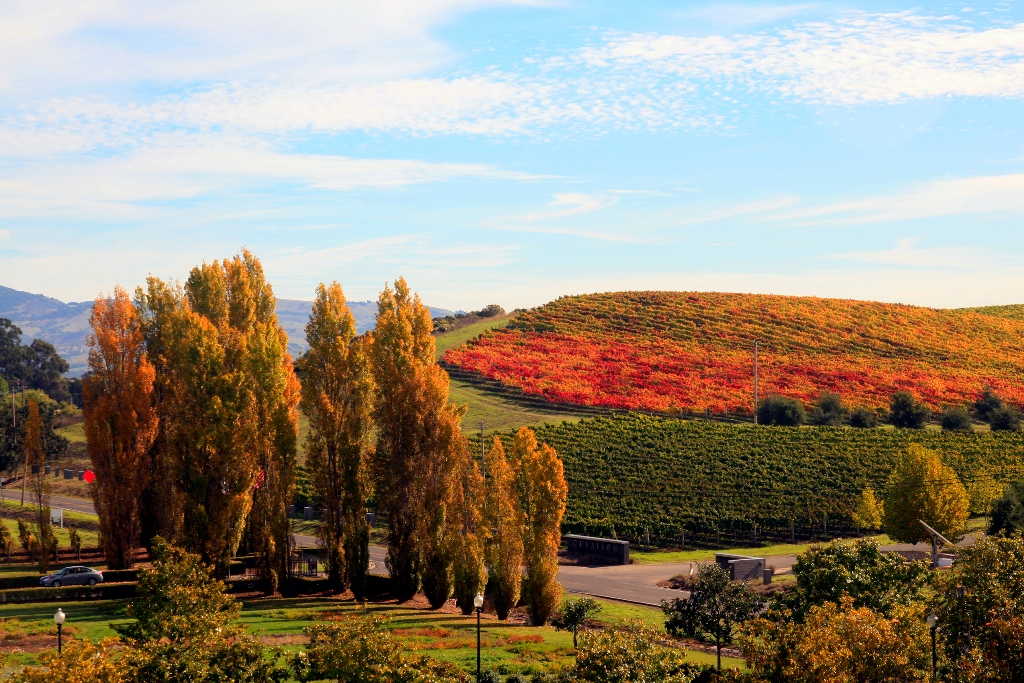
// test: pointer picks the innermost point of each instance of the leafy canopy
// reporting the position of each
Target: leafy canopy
(782, 411)
(180, 599)
(715, 607)
(837, 643)
(922, 488)
(1008, 511)
(906, 412)
(981, 612)
(858, 569)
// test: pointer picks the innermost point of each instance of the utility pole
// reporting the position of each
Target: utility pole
(24, 476)
(755, 381)
(483, 466)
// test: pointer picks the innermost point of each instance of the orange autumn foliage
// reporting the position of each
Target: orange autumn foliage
(120, 422)
(691, 351)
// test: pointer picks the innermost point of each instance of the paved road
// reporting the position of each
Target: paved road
(635, 583)
(74, 504)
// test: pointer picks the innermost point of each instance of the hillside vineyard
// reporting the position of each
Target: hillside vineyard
(692, 352)
(636, 474)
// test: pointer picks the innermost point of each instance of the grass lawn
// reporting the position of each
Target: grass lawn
(90, 539)
(449, 340)
(74, 433)
(509, 648)
(699, 555)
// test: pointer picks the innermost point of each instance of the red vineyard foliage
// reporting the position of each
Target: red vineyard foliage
(687, 351)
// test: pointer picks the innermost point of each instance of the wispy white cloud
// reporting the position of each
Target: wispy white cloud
(858, 58)
(979, 196)
(186, 167)
(906, 253)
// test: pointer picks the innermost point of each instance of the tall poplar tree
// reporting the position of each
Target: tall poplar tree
(419, 445)
(542, 494)
(34, 458)
(503, 519)
(337, 391)
(120, 423)
(470, 537)
(228, 407)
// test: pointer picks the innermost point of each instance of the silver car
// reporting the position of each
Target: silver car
(72, 576)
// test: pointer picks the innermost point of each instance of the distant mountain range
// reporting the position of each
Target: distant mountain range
(65, 325)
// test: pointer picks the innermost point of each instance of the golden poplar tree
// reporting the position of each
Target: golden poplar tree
(922, 488)
(418, 449)
(470, 536)
(34, 458)
(542, 494)
(503, 519)
(227, 399)
(120, 423)
(337, 391)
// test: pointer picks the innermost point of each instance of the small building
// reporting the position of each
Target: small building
(741, 567)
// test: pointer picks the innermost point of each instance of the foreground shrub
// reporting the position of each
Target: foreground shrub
(360, 650)
(628, 655)
(81, 662)
(857, 570)
(839, 643)
(981, 613)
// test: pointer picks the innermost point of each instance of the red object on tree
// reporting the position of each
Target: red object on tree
(89, 477)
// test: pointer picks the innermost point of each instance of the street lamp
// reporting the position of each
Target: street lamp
(478, 603)
(58, 619)
(933, 624)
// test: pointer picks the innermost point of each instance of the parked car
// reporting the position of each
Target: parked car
(72, 576)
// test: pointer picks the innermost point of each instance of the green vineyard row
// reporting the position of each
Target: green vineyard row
(635, 474)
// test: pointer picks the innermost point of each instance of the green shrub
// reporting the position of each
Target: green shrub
(1005, 419)
(955, 418)
(862, 418)
(906, 412)
(829, 410)
(781, 411)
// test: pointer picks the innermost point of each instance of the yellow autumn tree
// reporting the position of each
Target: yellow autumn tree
(227, 398)
(542, 492)
(34, 459)
(120, 423)
(840, 644)
(503, 519)
(419, 447)
(868, 512)
(470, 536)
(337, 391)
(922, 488)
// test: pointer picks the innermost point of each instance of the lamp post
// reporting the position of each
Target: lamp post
(58, 619)
(933, 624)
(478, 603)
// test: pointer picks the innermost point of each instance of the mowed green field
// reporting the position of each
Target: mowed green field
(507, 647)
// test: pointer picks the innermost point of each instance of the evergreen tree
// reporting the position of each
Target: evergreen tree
(337, 389)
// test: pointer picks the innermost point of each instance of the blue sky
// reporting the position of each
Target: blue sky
(513, 152)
